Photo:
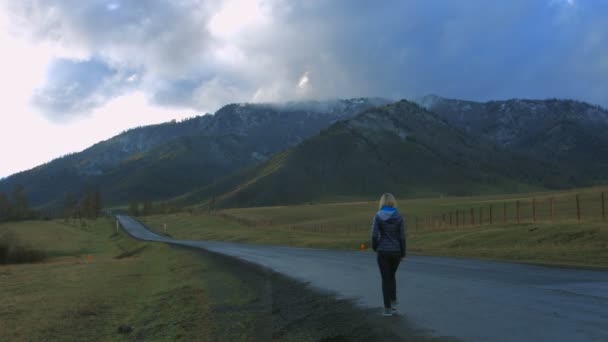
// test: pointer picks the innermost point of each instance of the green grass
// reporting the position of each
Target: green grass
(162, 292)
(346, 226)
(584, 245)
(210, 227)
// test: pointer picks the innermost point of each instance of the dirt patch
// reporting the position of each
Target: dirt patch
(281, 309)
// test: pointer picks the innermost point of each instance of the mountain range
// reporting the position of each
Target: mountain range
(266, 154)
(567, 132)
(161, 161)
(399, 147)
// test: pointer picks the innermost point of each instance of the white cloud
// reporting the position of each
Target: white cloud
(28, 140)
(23, 66)
(216, 93)
(129, 111)
(562, 2)
(133, 78)
(304, 81)
(113, 6)
(236, 16)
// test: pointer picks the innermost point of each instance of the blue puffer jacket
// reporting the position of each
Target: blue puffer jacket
(388, 231)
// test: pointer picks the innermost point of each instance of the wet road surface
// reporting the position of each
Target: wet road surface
(468, 299)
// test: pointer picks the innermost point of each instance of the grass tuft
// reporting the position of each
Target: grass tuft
(13, 251)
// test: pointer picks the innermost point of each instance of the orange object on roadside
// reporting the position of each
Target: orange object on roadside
(363, 247)
(89, 258)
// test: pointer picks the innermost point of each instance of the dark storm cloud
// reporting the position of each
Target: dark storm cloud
(472, 49)
(76, 87)
(168, 36)
(467, 49)
(175, 92)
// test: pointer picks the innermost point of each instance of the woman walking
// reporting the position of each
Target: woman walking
(388, 240)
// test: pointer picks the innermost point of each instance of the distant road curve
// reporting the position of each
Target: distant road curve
(468, 299)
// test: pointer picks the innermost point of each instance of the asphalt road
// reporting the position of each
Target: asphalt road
(468, 299)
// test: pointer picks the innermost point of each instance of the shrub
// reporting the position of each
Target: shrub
(13, 252)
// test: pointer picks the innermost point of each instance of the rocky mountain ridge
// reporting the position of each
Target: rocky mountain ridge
(509, 122)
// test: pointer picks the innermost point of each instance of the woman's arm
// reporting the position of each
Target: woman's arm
(375, 233)
(402, 240)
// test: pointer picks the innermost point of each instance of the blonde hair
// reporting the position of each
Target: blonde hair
(387, 200)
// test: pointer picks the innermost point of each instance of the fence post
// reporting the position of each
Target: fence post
(472, 217)
(552, 210)
(517, 206)
(534, 209)
(603, 208)
(578, 209)
(457, 218)
(450, 218)
(480, 216)
(491, 215)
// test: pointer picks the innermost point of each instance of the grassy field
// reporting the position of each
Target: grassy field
(565, 241)
(97, 280)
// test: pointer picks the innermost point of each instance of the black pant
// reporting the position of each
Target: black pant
(388, 263)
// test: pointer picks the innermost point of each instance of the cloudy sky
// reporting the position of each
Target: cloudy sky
(75, 72)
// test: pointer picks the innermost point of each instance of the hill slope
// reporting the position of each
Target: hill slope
(160, 161)
(401, 148)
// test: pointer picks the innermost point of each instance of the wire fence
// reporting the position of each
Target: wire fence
(582, 206)
(563, 208)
